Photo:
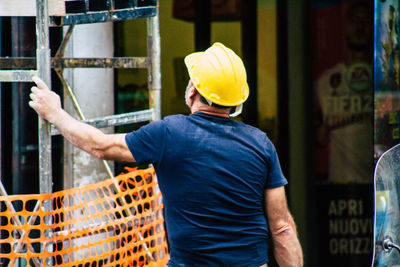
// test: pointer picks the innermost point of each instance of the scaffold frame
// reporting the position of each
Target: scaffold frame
(22, 69)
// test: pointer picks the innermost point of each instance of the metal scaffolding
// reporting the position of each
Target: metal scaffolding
(83, 12)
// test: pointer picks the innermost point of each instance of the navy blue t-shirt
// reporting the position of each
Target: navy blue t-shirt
(212, 172)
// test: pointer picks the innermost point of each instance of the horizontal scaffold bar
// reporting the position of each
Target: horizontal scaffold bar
(17, 75)
(116, 120)
(66, 12)
(117, 62)
(104, 16)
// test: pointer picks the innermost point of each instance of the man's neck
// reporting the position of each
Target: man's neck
(210, 110)
(214, 113)
(198, 106)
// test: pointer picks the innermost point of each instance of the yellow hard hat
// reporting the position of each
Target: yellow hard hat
(219, 75)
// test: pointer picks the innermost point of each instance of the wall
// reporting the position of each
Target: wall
(298, 156)
(267, 68)
(93, 90)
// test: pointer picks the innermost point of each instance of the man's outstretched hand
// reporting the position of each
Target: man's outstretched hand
(45, 102)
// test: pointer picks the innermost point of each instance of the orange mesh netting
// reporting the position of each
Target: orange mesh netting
(96, 225)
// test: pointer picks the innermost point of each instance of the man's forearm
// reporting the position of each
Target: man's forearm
(48, 105)
(78, 133)
(287, 248)
(91, 139)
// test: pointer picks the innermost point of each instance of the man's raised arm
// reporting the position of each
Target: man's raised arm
(287, 248)
(103, 146)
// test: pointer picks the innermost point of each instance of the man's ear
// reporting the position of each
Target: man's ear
(192, 95)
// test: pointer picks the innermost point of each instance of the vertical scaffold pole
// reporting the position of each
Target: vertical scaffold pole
(43, 67)
(44, 71)
(154, 70)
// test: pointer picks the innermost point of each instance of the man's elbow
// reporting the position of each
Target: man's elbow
(283, 230)
(98, 153)
(112, 154)
(96, 148)
(287, 248)
(283, 226)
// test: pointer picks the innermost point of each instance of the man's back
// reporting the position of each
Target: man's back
(212, 172)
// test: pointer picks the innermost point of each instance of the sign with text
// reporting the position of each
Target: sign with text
(345, 224)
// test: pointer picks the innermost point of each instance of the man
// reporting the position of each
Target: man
(219, 177)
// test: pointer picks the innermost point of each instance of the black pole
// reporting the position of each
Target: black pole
(249, 50)
(1, 110)
(6, 114)
(202, 24)
(24, 120)
(283, 87)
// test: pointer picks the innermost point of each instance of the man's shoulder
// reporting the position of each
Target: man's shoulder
(175, 117)
(241, 128)
(251, 129)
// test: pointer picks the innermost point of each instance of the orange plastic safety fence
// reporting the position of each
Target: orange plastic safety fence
(112, 223)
